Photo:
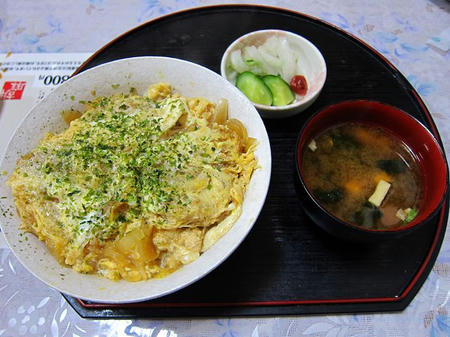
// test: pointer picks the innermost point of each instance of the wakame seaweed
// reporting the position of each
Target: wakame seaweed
(329, 197)
(345, 141)
(392, 166)
(367, 216)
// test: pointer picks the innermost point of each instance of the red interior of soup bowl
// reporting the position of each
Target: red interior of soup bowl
(419, 139)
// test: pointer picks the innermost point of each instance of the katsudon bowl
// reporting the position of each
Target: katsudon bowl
(123, 76)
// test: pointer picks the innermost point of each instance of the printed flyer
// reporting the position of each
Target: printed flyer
(25, 79)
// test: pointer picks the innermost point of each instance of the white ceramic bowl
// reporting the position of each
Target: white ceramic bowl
(312, 64)
(189, 80)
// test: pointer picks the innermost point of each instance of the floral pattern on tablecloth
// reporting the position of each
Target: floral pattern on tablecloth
(400, 30)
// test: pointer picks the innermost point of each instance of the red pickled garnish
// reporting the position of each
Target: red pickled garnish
(299, 85)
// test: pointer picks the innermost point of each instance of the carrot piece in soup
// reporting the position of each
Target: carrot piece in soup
(368, 138)
(380, 175)
(353, 186)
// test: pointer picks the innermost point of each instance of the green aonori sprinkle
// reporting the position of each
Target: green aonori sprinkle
(412, 214)
(120, 134)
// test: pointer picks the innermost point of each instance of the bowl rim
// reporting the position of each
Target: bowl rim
(291, 106)
(232, 242)
(379, 232)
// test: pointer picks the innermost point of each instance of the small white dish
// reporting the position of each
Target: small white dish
(188, 79)
(312, 63)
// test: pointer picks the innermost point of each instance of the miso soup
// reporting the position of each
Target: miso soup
(364, 175)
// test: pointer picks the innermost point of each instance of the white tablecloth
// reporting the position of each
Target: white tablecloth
(413, 35)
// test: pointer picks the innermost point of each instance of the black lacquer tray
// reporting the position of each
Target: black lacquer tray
(287, 265)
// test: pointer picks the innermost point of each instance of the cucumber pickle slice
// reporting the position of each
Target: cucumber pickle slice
(254, 88)
(281, 92)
